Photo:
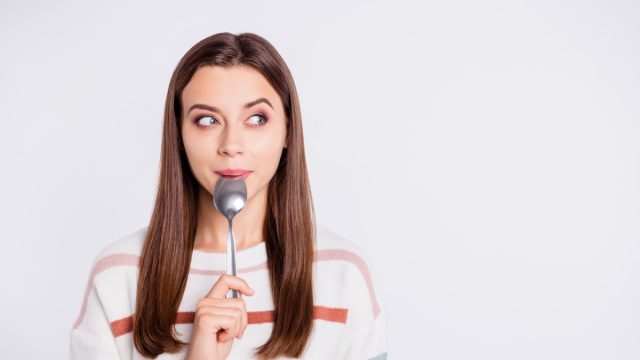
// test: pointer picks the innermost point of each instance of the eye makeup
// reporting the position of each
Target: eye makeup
(196, 120)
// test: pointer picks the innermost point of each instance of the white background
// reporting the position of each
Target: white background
(484, 154)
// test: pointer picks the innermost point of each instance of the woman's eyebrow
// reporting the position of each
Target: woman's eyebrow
(213, 108)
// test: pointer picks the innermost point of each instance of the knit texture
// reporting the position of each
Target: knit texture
(349, 320)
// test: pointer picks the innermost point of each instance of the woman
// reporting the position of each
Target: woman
(231, 110)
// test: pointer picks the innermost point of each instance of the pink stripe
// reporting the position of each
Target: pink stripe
(339, 254)
(320, 255)
(102, 265)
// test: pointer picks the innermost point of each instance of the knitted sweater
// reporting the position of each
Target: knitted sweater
(349, 321)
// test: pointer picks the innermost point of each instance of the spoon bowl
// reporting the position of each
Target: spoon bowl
(230, 196)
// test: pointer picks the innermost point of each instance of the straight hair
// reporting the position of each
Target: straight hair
(289, 224)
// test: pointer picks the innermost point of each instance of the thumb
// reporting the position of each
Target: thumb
(224, 337)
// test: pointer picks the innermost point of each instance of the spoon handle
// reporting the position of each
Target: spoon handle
(231, 259)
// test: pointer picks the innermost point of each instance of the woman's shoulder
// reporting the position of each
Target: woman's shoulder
(116, 264)
(328, 239)
(127, 246)
(358, 276)
(112, 279)
(344, 254)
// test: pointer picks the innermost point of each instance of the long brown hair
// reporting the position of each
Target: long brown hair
(289, 224)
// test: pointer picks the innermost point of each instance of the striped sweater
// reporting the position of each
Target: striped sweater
(349, 321)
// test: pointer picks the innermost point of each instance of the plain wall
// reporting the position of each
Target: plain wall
(484, 154)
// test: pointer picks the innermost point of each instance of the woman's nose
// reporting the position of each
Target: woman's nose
(231, 142)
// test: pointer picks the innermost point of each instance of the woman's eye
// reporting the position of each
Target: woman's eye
(210, 120)
(261, 119)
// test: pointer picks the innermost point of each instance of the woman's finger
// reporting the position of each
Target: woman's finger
(221, 326)
(223, 323)
(238, 314)
(245, 322)
(238, 304)
(227, 282)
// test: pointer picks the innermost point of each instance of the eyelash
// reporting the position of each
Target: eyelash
(197, 120)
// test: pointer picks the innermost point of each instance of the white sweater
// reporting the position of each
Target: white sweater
(349, 321)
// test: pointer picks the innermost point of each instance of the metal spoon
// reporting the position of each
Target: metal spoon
(229, 197)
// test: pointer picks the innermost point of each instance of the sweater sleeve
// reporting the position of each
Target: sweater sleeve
(370, 344)
(366, 337)
(91, 336)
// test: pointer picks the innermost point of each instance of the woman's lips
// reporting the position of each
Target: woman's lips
(234, 173)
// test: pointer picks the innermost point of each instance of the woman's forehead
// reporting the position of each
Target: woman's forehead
(233, 85)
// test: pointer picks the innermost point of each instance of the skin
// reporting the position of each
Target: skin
(218, 320)
(233, 138)
(232, 141)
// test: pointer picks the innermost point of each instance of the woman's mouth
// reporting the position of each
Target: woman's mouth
(234, 173)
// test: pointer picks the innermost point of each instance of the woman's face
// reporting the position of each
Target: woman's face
(232, 119)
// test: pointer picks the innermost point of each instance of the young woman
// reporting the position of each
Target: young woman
(160, 292)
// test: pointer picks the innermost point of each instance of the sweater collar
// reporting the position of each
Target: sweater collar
(252, 256)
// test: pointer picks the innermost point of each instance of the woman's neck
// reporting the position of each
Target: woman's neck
(212, 229)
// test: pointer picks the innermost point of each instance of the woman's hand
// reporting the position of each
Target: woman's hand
(218, 320)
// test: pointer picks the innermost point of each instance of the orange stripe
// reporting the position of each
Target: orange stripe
(338, 315)
(122, 326)
(260, 317)
(330, 314)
